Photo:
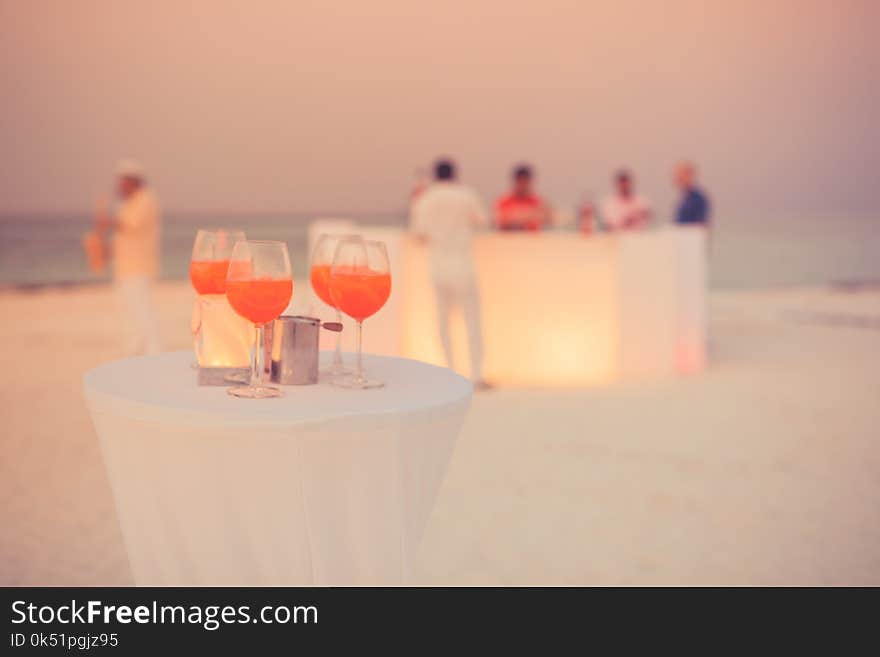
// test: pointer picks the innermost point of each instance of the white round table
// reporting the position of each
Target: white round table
(323, 486)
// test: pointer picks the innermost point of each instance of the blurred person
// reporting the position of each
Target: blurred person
(693, 207)
(420, 184)
(587, 215)
(624, 209)
(445, 217)
(136, 227)
(521, 209)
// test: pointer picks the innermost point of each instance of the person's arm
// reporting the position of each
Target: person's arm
(534, 217)
(706, 208)
(611, 218)
(479, 214)
(503, 215)
(133, 214)
(417, 221)
(639, 216)
(104, 221)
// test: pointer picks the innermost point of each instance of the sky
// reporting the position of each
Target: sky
(292, 106)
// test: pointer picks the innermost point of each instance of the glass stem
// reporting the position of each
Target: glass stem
(359, 374)
(256, 361)
(337, 357)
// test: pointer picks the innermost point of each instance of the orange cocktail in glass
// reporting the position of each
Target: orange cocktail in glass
(217, 341)
(360, 283)
(359, 291)
(210, 259)
(208, 276)
(320, 277)
(322, 261)
(259, 300)
(259, 286)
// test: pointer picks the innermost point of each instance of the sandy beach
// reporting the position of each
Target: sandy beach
(763, 470)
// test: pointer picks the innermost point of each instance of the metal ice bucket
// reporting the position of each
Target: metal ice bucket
(295, 349)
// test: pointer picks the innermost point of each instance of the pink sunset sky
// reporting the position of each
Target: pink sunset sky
(291, 105)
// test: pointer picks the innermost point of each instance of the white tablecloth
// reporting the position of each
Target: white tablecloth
(323, 486)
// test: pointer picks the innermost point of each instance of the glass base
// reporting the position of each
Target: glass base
(255, 392)
(357, 383)
(333, 371)
(242, 377)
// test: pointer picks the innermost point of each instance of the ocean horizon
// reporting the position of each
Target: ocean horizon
(752, 251)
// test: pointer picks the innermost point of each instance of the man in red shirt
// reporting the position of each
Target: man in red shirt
(522, 209)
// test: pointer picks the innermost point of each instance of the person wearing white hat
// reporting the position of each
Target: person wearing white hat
(136, 228)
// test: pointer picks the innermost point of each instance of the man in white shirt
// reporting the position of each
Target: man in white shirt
(625, 210)
(446, 215)
(136, 230)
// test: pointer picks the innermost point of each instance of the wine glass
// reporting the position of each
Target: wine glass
(207, 271)
(360, 283)
(322, 260)
(210, 259)
(259, 286)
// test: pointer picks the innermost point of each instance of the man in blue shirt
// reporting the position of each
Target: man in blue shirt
(694, 205)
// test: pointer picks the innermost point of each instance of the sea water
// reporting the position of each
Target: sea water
(746, 251)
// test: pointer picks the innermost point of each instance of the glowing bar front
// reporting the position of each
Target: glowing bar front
(559, 309)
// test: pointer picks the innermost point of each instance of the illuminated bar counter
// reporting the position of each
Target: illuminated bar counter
(559, 309)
